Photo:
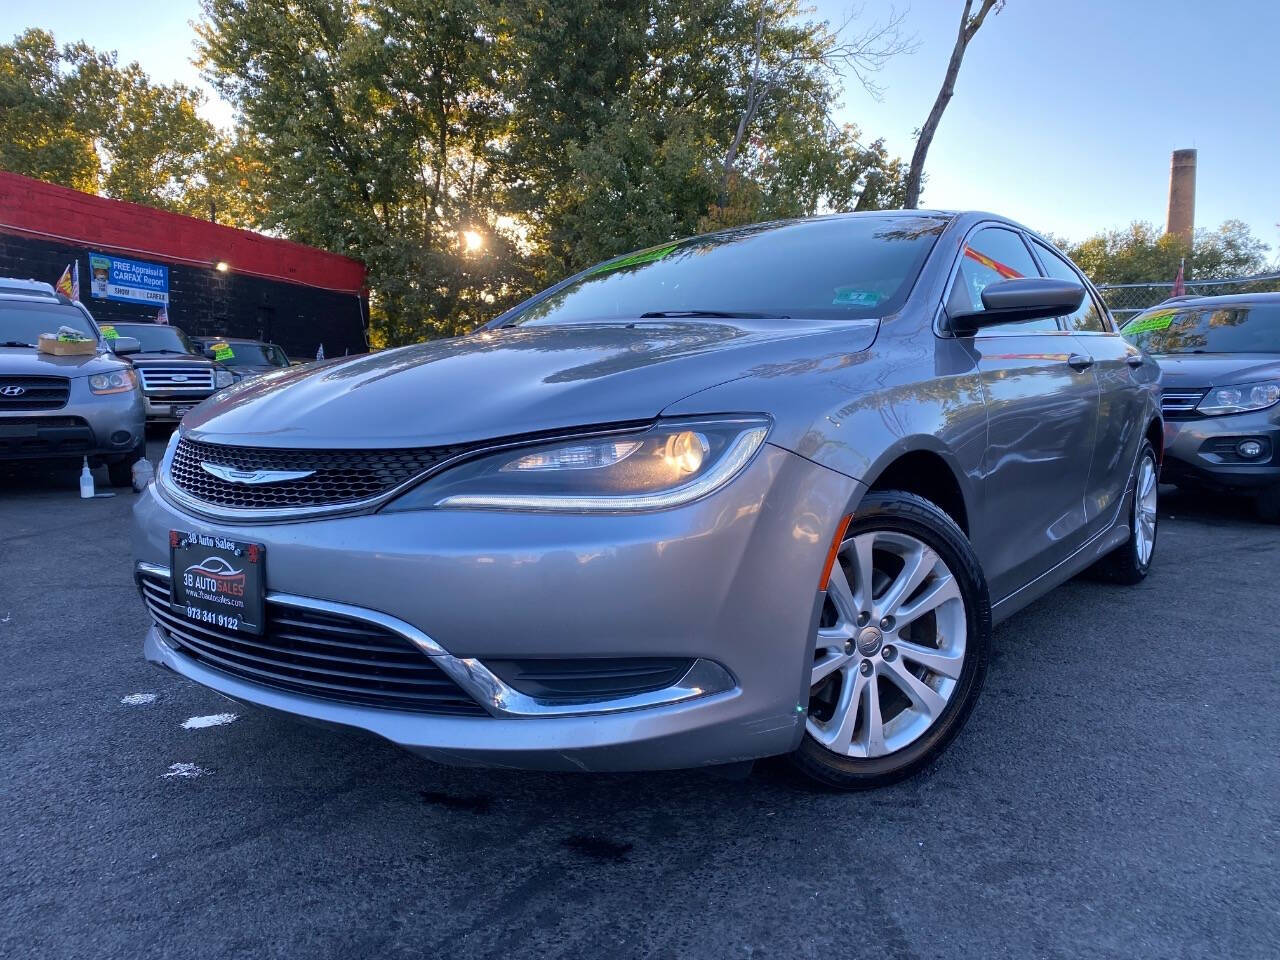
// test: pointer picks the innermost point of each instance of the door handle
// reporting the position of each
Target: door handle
(1134, 360)
(1078, 361)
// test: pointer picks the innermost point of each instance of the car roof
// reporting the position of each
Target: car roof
(15, 288)
(221, 339)
(1225, 300)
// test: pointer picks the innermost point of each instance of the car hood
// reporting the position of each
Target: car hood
(26, 361)
(506, 382)
(1196, 370)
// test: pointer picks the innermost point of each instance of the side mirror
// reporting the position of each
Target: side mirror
(125, 345)
(1027, 298)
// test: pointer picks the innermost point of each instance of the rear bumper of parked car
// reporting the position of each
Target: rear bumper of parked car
(1204, 451)
(726, 582)
(104, 428)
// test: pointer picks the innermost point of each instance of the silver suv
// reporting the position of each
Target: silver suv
(61, 409)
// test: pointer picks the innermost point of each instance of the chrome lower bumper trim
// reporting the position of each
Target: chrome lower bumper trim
(702, 679)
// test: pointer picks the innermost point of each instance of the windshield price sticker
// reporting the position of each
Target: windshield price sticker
(223, 351)
(109, 332)
(1157, 321)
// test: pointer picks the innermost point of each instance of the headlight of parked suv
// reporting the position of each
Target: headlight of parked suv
(121, 381)
(223, 378)
(668, 465)
(1240, 398)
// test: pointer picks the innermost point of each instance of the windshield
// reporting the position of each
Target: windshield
(157, 337)
(238, 353)
(24, 322)
(839, 268)
(1191, 329)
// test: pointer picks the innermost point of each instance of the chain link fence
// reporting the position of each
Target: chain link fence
(1127, 299)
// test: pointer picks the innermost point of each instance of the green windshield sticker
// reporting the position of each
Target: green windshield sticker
(109, 332)
(223, 351)
(1157, 321)
(644, 256)
(855, 297)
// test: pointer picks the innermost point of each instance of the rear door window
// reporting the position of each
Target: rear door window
(991, 255)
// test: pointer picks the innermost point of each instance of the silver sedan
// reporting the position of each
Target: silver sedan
(754, 493)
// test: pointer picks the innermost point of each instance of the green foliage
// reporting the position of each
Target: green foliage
(75, 116)
(1143, 254)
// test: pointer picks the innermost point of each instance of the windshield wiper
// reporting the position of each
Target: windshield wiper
(726, 314)
(16, 343)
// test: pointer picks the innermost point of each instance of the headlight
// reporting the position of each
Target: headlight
(121, 381)
(668, 465)
(223, 378)
(1240, 398)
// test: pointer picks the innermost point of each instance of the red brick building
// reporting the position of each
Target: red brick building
(215, 279)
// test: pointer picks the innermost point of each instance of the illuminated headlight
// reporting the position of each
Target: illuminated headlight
(120, 381)
(668, 465)
(223, 378)
(1240, 398)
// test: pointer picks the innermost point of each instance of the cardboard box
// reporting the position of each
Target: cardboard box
(49, 343)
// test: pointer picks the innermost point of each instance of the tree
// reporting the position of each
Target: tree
(1141, 253)
(75, 116)
(969, 26)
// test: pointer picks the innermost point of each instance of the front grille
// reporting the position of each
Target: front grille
(184, 380)
(1181, 404)
(33, 393)
(338, 477)
(319, 654)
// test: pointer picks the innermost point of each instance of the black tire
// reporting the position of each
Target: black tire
(898, 511)
(1125, 564)
(1267, 505)
(120, 472)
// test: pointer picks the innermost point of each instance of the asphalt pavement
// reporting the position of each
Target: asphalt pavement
(1116, 793)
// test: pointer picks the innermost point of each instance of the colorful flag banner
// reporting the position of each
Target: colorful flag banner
(75, 280)
(162, 316)
(320, 352)
(64, 283)
(1179, 285)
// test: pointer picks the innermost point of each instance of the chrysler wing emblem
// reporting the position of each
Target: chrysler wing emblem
(232, 475)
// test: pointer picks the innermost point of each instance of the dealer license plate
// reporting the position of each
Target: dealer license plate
(180, 410)
(217, 582)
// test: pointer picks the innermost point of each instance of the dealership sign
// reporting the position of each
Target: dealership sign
(129, 281)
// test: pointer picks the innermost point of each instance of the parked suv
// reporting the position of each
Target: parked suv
(758, 492)
(246, 358)
(1221, 363)
(57, 410)
(176, 375)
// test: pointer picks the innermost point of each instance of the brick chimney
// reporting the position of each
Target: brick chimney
(1182, 195)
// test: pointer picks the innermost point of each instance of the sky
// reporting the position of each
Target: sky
(1064, 116)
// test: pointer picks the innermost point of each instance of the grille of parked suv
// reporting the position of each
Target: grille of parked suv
(1181, 404)
(188, 380)
(338, 477)
(316, 653)
(32, 393)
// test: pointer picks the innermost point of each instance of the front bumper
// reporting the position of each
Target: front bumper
(729, 580)
(1201, 451)
(100, 427)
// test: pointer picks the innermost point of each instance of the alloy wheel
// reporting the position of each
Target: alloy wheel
(1144, 512)
(890, 646)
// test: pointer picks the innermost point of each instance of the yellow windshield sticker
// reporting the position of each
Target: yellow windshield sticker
(223, 351)
(1157, 321)
(109, 331)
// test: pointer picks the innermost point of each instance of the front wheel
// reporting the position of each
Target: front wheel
(901, 648)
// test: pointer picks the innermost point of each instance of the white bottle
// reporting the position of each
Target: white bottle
(86, 481)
